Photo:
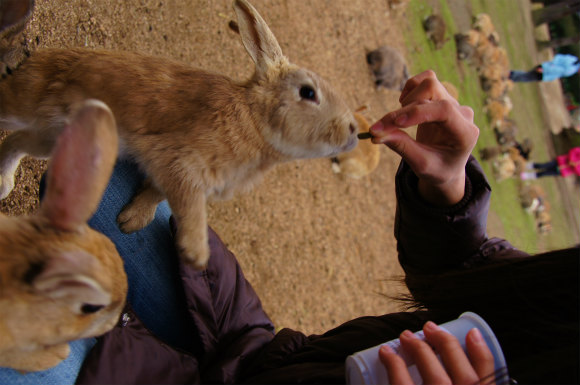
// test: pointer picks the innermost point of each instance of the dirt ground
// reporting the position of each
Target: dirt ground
(318, 248)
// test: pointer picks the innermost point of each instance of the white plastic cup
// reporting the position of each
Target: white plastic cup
(365, 367)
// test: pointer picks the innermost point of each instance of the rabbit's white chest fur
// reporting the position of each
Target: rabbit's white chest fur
(243, 179)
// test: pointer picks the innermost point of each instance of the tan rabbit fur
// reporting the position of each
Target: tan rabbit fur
(509, 164)
(498, 109)
(451, 89)
(196, 134)
(533, 200)
(363, 159)
(14, 14)
(482, 23)
(466, 45)
(59, 279)
(435, 28)
(388, 68)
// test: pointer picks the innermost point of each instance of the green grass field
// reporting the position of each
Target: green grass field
(516, 225)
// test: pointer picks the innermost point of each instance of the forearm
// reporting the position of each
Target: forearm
(445, 194)
(433, 238)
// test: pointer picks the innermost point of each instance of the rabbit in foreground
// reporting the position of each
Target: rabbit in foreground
(388, 67)
(363, 159)
(196, 134)
(59, 279)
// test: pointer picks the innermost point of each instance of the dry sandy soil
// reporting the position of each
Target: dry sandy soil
(318, 248)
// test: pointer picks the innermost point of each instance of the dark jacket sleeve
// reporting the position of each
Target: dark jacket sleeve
(432, 239)
(226, 319)
(294, 358)
(227, 312)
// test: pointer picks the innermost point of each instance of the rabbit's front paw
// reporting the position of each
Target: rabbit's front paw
(6, 185)
(194, 252)
(135, 216)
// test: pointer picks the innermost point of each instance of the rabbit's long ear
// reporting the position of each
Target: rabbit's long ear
(81, 165)
(69, 277)
(13, 15)
(259, 41)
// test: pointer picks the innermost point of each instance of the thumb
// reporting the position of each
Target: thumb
(403, 144)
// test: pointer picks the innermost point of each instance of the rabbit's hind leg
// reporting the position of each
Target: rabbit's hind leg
(15, 147)
(41, 359)
(141, 210)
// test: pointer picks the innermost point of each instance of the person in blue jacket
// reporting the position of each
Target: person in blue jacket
(562, 65)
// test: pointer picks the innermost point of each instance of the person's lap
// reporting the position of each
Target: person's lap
(64, 373)
(155, 290)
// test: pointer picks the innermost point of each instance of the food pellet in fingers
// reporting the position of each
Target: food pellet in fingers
(364, 135)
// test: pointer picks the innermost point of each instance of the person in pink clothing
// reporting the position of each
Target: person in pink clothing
(564, 165)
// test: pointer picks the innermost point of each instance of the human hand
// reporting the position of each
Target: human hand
(446, 135)
(457, 367)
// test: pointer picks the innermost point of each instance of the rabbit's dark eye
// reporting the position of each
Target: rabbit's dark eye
(87, 308)
(307, 92)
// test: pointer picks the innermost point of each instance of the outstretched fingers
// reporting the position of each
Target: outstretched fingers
(429, 89)
(389, 129)
(425, 86)
(413, 82)
(403, 144)
(423, 111)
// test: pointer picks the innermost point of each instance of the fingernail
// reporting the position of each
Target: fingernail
(476, 336)
(407, 334)
(402, 96)
(386, 349)
(401, 119)
(381, 138)
(378, 126)
(431, 326)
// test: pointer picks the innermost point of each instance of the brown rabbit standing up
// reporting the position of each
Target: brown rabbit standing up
(60, 280)
(196, 134)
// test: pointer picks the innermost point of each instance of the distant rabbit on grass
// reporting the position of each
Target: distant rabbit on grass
(436, 28)
(388, 67)
(60, 280)
(196, 134)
